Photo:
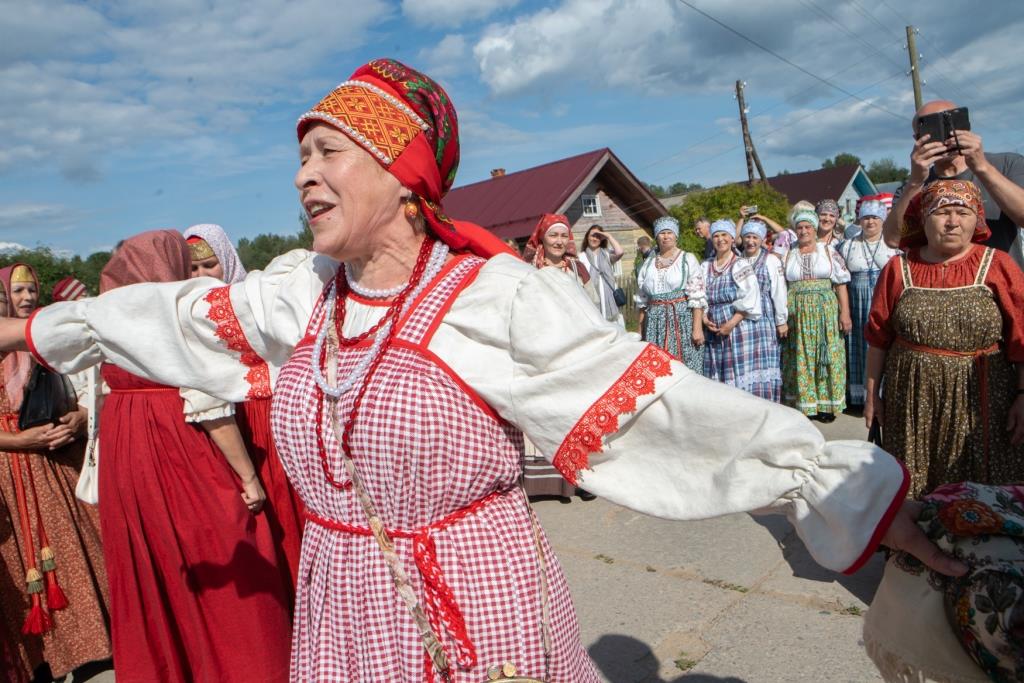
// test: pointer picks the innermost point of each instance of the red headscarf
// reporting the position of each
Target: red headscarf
(17, 365)
(936, 195)
(69, 289)
(408, 124)
(534, 252)
(154, 256)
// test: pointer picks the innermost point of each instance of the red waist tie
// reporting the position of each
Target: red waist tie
(440, 601)
(980, 357)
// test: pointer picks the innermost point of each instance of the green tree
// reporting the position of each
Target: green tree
(886, 171)
(725, 202)
(842, 159)
(257, 252)
(657, 190)
(51, 268)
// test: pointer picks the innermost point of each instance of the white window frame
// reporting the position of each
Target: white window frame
(596, 213)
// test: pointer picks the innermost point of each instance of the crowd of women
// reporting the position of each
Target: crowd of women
(407, 356)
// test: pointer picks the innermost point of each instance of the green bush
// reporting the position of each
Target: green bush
(725, 202)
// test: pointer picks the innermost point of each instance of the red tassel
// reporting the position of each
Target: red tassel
(55, 598)
(38, 621)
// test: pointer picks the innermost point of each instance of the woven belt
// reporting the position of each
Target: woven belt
(980, 357)
(440, 601)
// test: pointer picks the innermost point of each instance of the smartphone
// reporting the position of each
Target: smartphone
(941, 124)
(750, 211)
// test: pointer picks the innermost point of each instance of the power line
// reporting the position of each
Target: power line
(787, 61)
(844, 29)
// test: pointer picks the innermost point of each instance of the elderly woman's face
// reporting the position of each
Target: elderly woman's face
(871, 225)
(805, 233)
(722, 242)
(826, 221)
(751, 243)
(666, 240)
(24, 297)
(555, 242)
(346, 194)
(949, 229)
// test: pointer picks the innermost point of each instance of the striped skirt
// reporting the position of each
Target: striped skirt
(813, 355)
(668, 323)
(861, 287)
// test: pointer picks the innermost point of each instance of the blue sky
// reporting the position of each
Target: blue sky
(119, 117)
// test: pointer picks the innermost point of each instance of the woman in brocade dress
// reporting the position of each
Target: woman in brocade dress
(813, 357)
(55, 605)
(196, 590)
(946, 330)
(670, 293)
(423, 395)
(865, 255)
(771, 326)
(734, 304)
(214, 256)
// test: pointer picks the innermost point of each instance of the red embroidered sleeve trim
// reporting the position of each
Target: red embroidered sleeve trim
(602, 418)
(229, 330)
(883, 524)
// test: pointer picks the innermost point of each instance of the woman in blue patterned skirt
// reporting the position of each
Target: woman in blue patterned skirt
(734, 304)
(670, 293)
(765, 371)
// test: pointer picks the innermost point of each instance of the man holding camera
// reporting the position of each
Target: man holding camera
(961, 155)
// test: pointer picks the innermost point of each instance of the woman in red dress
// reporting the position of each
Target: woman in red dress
(196, 591)
(214, 256)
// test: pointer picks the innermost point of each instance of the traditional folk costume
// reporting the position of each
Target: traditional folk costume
(671, 294)
(195, 587)
(765, 363)
(540, 478)
(283, 509)
(473, 352)
(953, 332)
(813, 356)
(733, 289)
(865, 261)
(53, 593)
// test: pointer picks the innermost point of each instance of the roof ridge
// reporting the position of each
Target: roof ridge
(594, 152)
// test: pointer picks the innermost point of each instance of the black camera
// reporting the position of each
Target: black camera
(943, 124)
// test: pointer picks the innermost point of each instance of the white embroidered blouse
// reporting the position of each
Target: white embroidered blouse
(862, 256)
(654, 280)
(776, 285)
(824, 263)
(621, 418)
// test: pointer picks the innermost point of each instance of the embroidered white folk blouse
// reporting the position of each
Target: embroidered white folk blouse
(824, 263)
(776, 285)
(862, 256)
(748, 294)
(621, 418)
(653, 280)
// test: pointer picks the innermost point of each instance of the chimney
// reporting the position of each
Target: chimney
(497, 172)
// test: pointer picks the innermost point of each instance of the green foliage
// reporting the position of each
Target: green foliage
(842, 159)
(257, 252)
(675, 188)
(725, 202)
(886, 171)
(52, 268)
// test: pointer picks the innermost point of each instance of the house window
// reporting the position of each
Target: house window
(591, 207)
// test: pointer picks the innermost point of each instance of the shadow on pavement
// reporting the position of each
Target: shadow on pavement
(863, 584)
(624, 659)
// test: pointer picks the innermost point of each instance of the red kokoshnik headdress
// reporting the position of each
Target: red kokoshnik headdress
(407, 122)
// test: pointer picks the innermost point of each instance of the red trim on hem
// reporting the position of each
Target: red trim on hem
(602, 417)
(436, 360)
(883, 524)
(229, 330)
(31, 345)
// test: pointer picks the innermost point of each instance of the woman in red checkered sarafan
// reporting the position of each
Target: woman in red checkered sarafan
(414, 351)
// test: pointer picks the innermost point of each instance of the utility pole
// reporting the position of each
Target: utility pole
(915, 71)
(748, 144)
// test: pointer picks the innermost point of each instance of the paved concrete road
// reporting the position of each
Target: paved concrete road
(728, 600)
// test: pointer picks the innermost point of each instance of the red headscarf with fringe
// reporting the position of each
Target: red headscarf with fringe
(936, 195)
(408, 124)
(534, 252)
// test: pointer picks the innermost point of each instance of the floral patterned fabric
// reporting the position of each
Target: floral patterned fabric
(984, 527)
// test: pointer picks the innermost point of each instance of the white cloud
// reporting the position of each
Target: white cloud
(33, 215)
(448, 58)
(134, 74)
(452, 12)
(12, 247)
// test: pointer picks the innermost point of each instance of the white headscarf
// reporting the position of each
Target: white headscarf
(218, 240)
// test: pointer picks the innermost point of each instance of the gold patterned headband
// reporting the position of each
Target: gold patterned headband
(200, 249)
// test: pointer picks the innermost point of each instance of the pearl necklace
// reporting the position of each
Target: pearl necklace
(368, 293)
(434, 265)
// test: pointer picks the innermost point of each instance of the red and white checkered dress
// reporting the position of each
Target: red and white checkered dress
(425, 446)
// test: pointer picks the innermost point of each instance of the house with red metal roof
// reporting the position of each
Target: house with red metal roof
(845, 184)
(591, 188)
